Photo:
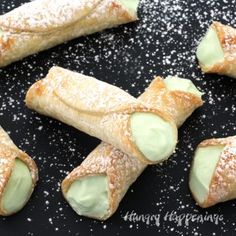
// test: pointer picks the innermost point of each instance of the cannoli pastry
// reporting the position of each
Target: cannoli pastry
(96, 187)
(176, 96)
(106, 112)
(42, 24)
(213, 171)
(216, 51)
(18, 176)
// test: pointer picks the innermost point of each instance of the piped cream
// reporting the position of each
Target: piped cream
(153, 136)
(89, 196)
(18, 188)
(131, 5)
(186, 85)
(209, 51)
(204, 165)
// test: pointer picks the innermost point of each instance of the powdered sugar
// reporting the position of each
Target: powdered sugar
(44, 14)
(163, 42)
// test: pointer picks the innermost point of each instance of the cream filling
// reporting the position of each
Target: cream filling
(186, 85)
(18, 188)
(153, 136)
(209, 51)
(131, 5)
(204, 165)
(88, 196)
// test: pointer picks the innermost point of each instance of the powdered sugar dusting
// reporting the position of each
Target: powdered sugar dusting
(222, 186)
(162, 42)
(42, 14)
(88, 98)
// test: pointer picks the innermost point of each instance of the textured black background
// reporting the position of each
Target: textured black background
(163, 42)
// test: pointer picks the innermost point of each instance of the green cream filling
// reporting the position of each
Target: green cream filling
(209, 51)
(18, 188)
(186, 85)
(131, 5)
(153, 136)
(88, 196)
(204, 165)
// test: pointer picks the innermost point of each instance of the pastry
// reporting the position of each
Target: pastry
(216, 51)
(106, 112)
(176, 96)
(18, 176)
(96, 187)
(213, 171)
(42, 24)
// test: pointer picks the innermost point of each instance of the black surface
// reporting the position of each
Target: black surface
(163, 42)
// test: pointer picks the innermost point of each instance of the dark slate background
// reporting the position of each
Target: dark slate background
(162, 42)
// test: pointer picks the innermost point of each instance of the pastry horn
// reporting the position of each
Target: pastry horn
(213, 171)
(42, 24)
(216, 51)
(105, 112)
(18, 176)
(96, 187)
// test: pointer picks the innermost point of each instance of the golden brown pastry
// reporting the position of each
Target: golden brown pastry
(106, 112)
(18, 176)
(42, 24)
(216, 51)
(96, 187)
(213, 171)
